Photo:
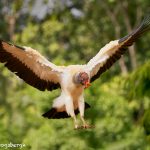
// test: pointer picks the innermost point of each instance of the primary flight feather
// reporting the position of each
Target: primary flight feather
(38, 72)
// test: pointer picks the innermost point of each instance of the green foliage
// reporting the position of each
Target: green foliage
(146, 122)
(138, 83)
(119, 105)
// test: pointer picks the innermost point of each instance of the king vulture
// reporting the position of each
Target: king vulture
(42, 74)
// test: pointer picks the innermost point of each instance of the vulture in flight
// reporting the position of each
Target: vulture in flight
(42, 74)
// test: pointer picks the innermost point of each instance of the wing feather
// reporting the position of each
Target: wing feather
(111, 52)
(30, 66)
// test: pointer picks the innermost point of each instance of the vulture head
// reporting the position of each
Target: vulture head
(83, 79)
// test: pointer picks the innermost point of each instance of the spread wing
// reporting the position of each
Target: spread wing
(30, 66)
(111, 52)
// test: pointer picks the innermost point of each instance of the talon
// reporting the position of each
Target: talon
(88, 126)
(92, 126)
(76, 127)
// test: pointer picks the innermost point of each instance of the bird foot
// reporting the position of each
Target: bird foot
(88, 126)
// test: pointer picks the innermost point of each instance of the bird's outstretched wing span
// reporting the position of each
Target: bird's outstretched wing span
(30, 66)
(111, 52)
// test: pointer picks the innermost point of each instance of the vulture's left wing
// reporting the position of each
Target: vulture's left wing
(111, 52)
(30, 66)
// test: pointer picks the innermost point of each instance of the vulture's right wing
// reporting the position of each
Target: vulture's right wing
(110, 53)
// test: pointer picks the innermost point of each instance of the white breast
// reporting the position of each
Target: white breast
(67, 84)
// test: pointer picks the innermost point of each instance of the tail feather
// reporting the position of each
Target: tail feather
(54, 114)
(87, 105)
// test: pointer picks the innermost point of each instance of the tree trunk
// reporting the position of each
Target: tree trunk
(132, 52)
(11, 26)
(113, 16)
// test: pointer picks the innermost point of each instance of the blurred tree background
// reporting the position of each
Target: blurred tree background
(72, 32)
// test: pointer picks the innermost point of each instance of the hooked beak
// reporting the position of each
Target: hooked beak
(87, 84)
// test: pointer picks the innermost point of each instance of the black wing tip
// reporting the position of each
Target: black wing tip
(9, 43)
(146, 20)
(20, 47)
(142, 28)
(145, 25)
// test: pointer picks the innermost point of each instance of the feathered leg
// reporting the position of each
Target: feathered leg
(70, 110)
(81, 105)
